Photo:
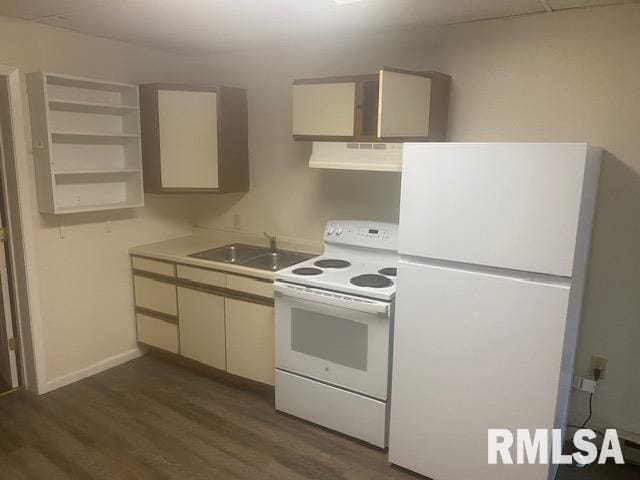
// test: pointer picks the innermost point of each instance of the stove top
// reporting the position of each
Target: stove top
(360, 278)
(332, 263)
(371, 280)
(359, 259)
(306, 271)
(388, 271)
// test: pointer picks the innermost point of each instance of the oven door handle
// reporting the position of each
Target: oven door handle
(336, 300)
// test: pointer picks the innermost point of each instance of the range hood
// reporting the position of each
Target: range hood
(381, 157)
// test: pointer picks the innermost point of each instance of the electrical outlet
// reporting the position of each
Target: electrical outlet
(237, 226)
(599, 363)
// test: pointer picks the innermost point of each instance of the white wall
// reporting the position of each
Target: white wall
(84, 279)
(565, 77)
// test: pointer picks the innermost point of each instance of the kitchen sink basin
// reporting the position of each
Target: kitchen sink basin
(235, 253)
(252, 256)
(276, 260)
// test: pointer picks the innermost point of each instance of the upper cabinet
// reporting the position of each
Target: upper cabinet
(324, 108)
(392, 106)
(86, 143)
(194, 139)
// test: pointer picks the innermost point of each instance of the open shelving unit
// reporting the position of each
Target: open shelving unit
(86, 143)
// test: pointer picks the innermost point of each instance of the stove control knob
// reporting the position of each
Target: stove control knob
(339, 230)
(330, 231)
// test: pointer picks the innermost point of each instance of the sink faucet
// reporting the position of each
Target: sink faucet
(272, 241)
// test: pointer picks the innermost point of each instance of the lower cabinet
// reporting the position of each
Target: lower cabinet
(202, 333)
(250, 340)
(157, 332)
(221, 320)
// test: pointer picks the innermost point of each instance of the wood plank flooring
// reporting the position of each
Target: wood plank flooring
(150, 419)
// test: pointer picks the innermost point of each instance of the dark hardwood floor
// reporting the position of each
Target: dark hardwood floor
(150, 419)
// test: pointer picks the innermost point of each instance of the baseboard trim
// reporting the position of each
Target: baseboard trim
(101, 366)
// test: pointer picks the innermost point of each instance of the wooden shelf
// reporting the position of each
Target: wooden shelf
(89, 107)
(86, 143)
(108, 171)
(87, 83)
(91, 138)
(98, 207)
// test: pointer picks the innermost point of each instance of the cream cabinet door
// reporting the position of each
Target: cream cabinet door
(324, 109)
(404, 101)
(202, 332)
(250, 340)
(188, 139)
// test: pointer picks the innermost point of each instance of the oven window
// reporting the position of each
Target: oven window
(330, 338)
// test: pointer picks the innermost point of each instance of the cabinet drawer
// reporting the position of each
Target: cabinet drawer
(250, 340)
(201, 275)
(157, 333)
(202, 334)
(153, 266)
(155, 295)
(347, 412)
(263, 288)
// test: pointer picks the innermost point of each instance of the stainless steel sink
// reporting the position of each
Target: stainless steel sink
(235, 253)
(253, 256)
(276, 260)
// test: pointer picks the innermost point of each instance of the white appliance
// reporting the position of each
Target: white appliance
(493, 247)
(383, 157)
(333, 317)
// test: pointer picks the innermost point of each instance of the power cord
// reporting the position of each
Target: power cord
(596, 376)
(584, 424)
(597, 373)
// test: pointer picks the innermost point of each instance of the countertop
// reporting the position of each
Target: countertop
(178, 249)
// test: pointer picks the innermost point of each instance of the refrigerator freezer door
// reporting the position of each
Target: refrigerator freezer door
(513, 206)
(472, 351)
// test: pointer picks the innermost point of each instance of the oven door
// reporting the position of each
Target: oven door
(335, 338)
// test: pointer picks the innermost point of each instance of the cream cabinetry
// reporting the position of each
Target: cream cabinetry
(188, 144)
(217, 319)
(202, 276)
(253, 286)
(157, 332)
(202, 332)
(155, 295)
(324, 109)
(250, 340)
(194, 138)
(391, 106)
(153, 266)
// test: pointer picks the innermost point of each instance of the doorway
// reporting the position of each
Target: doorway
(9, 367)
(20, 344)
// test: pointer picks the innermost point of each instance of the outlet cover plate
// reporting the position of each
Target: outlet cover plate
(600, 363)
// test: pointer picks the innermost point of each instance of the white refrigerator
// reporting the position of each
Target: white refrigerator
(494, 242)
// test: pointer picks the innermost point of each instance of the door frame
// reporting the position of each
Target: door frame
(19, 200)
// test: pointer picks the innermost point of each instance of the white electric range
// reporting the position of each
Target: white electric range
(333, 318)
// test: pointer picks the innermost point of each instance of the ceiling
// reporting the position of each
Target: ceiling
(211, 26)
